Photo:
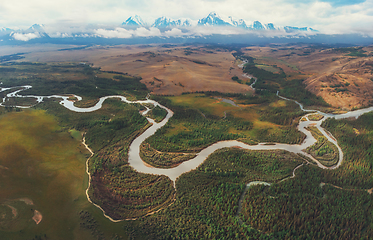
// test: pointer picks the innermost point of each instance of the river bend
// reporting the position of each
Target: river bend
(136, 162)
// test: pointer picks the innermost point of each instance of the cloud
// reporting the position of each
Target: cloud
(25, 36)
(117, 33)
(125, 33)
(175, 32)
(143, 32)
(339, 3)
(209, 30)
(347, 19)
(334, 3)
(331, 15)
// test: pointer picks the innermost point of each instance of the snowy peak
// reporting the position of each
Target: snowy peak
(238, 23)
(164, 22)
(36, 28)
(270, 26)
(134, 21)
(257, 26)
(180, 28)
(213, 19)
(5, 29)
(187, 23)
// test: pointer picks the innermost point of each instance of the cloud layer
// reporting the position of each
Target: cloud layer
(25, 36)
(330, 16)
(125, 33)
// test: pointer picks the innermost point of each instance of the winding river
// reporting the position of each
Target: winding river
(136, 162)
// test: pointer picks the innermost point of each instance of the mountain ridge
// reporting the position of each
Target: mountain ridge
(212, 20)
(163, 26)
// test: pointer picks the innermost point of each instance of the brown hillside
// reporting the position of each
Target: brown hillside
(343, 80)
(164, 70)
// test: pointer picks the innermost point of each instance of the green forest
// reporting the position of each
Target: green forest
(314, 203)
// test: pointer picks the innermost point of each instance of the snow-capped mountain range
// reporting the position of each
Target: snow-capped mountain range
(162, 27)
(164, 22)
(213, 19)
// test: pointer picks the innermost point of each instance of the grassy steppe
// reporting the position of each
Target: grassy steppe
(42, 162)
(45, 165)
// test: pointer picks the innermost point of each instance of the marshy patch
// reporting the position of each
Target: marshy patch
(15, 215)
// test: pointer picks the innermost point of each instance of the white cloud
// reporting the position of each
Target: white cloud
(25, 36)
(117, 33)
(208, 30)
(322, 15)
(125, 33)
(175, 32)
(143, 32)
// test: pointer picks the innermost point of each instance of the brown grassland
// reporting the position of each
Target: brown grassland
(164, 70)
(45, 166)
(342, 77)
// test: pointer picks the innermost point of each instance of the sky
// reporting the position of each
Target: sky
(327, 16)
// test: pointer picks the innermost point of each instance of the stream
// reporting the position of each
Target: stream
(136, 162)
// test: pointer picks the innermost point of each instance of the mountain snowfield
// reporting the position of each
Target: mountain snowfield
(164, 22)
(134, 27)
(213, 19)
(135, 21)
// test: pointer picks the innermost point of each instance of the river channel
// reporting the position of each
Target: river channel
(136, 162)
